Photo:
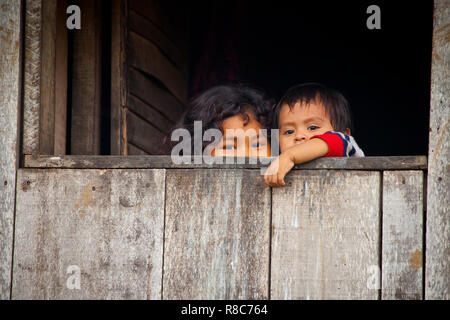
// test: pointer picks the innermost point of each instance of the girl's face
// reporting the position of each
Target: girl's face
(242, 139)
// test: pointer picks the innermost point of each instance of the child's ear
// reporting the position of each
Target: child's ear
(348, 132)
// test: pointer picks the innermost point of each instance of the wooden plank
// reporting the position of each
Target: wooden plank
(325, 235)
(61, 61)
(149, 113)
(118, 73)
(151, 32)
(32, 77)
(143, 135)
(402, 235)
(48, 69)
(144, 55)
(86, 81)
(147, 90)
(103, 162)
(135, 151)
(169, 15)
(107, 223)
(437, 266)
(217, 235)
(10, 53)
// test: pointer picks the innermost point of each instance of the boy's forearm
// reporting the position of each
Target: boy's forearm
(307, 151)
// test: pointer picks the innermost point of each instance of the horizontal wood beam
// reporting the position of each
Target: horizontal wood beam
(165, 162)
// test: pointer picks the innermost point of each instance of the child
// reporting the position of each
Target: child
(229, 107)
(313, 121)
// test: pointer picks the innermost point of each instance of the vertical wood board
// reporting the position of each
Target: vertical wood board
(10, 48)
(325, 236)
(437, 259)
(216, 235)
(108, 223)
(402, 247)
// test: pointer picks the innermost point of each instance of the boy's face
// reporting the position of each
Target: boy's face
(245, 139)
(302, 122)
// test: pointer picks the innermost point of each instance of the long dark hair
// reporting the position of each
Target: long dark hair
(216, 104)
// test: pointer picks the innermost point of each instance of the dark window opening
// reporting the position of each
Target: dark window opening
(385, 74)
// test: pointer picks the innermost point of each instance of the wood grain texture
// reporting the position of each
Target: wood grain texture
(109, 223)
(61, 77)
(437, 258)
(118, 73)
(325, 235)
(144, 27)
(104, 162)
(149, 91)
(169, 15)
(148, 112)
(10, 48)
(47, 79)
(402, 246)
(145, 56)
(32, 77)
(143, 134)
(216, 235)
(86, 81)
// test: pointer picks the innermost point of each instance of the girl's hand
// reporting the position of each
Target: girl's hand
(274, 176)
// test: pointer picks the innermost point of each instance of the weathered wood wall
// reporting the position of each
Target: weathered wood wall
(150, 52)
(10, 99)
(218, 233)
(438, 199)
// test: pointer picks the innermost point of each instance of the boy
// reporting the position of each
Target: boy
(313, 121)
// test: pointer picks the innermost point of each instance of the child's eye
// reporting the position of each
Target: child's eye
(290, 131)
(313, 128)
(258, 145)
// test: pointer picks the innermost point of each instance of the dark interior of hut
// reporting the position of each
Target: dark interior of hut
(385, 74)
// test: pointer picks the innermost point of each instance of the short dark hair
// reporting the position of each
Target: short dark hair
(216, 104)
(336, 106)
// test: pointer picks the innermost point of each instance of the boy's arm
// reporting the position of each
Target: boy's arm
(307, 151)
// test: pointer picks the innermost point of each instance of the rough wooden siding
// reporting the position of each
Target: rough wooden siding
(10, 21)
(325, 235)
(402, 234)
(217, 235)
(118, 73)
(437, 260)
(119, 162)
(109, 223)
(86, 80)
(155, 62)
(53, 78)
(32, 77)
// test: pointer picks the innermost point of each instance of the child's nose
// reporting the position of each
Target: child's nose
(300, 136)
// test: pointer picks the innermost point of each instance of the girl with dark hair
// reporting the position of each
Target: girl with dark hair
(228, 107)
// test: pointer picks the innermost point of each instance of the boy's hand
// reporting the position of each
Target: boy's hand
(278, 169)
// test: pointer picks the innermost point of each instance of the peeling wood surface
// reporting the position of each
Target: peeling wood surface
(10, 15)
(437, 258)
(109, 223)
(214, 234)
(32, 77)
(325, 235)
(217, 235)
(402, 265)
